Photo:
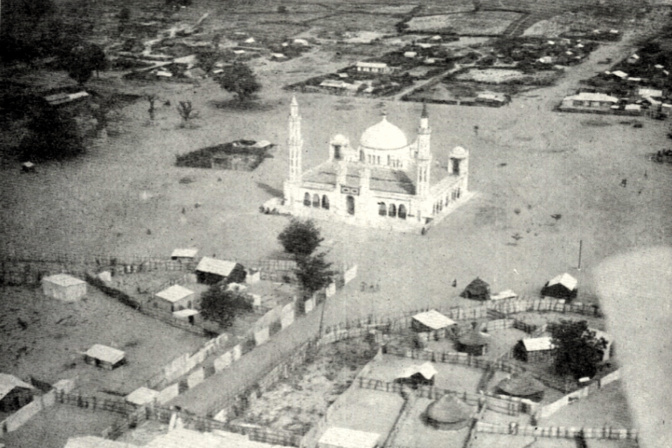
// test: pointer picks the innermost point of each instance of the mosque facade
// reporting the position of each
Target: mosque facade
(383, 182)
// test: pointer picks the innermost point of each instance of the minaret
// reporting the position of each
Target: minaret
(424, 155)
(295, 143)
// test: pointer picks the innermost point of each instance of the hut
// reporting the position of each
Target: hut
(142, 396)
(418, 375)
(14, 393)
(561, 287)
(448, 413)
(521, 385)
(64, 287)
(534, 349)
(431, 320)
(335, 437)
(175, 298)
(103, 356)
(183, 254)
(477, 290)
(28, 167)
(474, 343)
(211, 271)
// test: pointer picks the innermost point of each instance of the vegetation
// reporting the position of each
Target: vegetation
(83, 60)
(578, 352)
(300, 238)
(52, 135)
(202, 158)
(313, 273)
(186, 111)
(240, 80)
(222, 306)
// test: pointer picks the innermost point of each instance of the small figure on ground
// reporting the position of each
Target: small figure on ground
(624, 183)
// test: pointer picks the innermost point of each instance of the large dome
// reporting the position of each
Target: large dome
(384, 136)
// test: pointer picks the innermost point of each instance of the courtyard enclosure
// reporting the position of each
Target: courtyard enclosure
(64, 287)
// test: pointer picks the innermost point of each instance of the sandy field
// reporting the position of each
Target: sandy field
(57, 334)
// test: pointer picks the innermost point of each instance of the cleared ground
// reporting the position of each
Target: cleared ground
(57, 334)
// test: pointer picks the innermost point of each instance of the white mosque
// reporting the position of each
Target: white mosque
(384, 182)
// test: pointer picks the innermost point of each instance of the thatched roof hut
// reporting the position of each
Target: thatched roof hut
(474, 342)
(522, 385)
(477, 290)
(449, 413)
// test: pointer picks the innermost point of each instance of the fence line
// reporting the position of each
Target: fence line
(515, 429)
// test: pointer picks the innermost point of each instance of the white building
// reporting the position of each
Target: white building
(589, 101)
(64, 287)
(383, 182)
(373, 67)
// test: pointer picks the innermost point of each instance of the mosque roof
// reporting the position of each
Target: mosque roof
(384, 136)
(382, 179)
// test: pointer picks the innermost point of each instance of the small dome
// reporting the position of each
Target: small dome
(459, 152)
(449, 412)
(340, 139)
(384, 136)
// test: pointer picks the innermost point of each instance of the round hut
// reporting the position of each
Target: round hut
(521, 385)
(448, 413)
(473, 343)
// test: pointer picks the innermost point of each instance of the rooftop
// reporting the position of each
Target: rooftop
(538, 344)
(434, 320)
(105, 353)
(9, 382)
(565, 280)
(174, 293)
(349, 438)
(214, 266)
(63, 280)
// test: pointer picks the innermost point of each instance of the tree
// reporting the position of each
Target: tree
(222, 306)
(52, 135)
(313, 273)
(207, 59)
(186, 111)
(83, 60)
(577, 351)
(240, 80)
(300, 238)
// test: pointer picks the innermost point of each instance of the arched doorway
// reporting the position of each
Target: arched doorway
(350, 204)
(402, 212)
(392, 212)
(306, 199)
(316, 200)
(325, 202)
(382, 209)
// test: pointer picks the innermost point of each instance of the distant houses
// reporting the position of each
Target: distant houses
(373, 67)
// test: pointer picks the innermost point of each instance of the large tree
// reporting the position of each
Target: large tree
(52, 135)
(313, 273)
(578, 352)
(300, 238)
(83, 60)
(222, 306)
(240, 80)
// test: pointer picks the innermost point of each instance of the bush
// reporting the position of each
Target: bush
(223, 306)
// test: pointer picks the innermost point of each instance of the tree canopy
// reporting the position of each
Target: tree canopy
(222, 306)
(83, 60)
(578, 351)
(313, 273)
(52, 135)
(240, 80)
(300, 238)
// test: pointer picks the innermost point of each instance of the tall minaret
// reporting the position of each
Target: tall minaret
(295, 143)
(424, 157)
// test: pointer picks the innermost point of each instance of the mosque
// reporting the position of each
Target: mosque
(383, 182)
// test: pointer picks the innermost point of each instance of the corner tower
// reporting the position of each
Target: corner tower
(294, 143)
(424, 155)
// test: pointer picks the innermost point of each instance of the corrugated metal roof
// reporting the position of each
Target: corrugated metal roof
(349, 438)
(63, 280)
(184, 253)
(565, 280)
(9, 382)
(434, 320)
(538, 344)
(214, 266)
(174, 293)
(105, 353)
(142, 396)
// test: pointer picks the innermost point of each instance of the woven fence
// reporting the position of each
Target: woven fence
(559, 432)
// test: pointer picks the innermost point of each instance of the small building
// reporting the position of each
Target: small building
(335, 437)
(474, 342)
(183, 254)
(418, 375)
(103, 356)
(186, 314)
(64, 287)
(28, 167)
(431, 320)
(142, 396)
(410, 54)
(14, 393)
(175, 298)
(253, 276)
(649, 92)
(492, 98)
(301, 42)
(477, 290)
(633, 59)
(64, 98)
(589, 101)
(534, 349)
(521, 385)
(561, 287)
(504, 295)
(620, 74)
(210, 271)
(373, 67)
(448, 413)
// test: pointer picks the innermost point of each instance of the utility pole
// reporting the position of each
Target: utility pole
(580, 250)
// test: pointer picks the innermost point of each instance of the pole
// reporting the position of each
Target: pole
(580, 250)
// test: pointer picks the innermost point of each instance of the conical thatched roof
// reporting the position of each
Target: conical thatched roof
(448, 409)
(520, 385)
(474, 338)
